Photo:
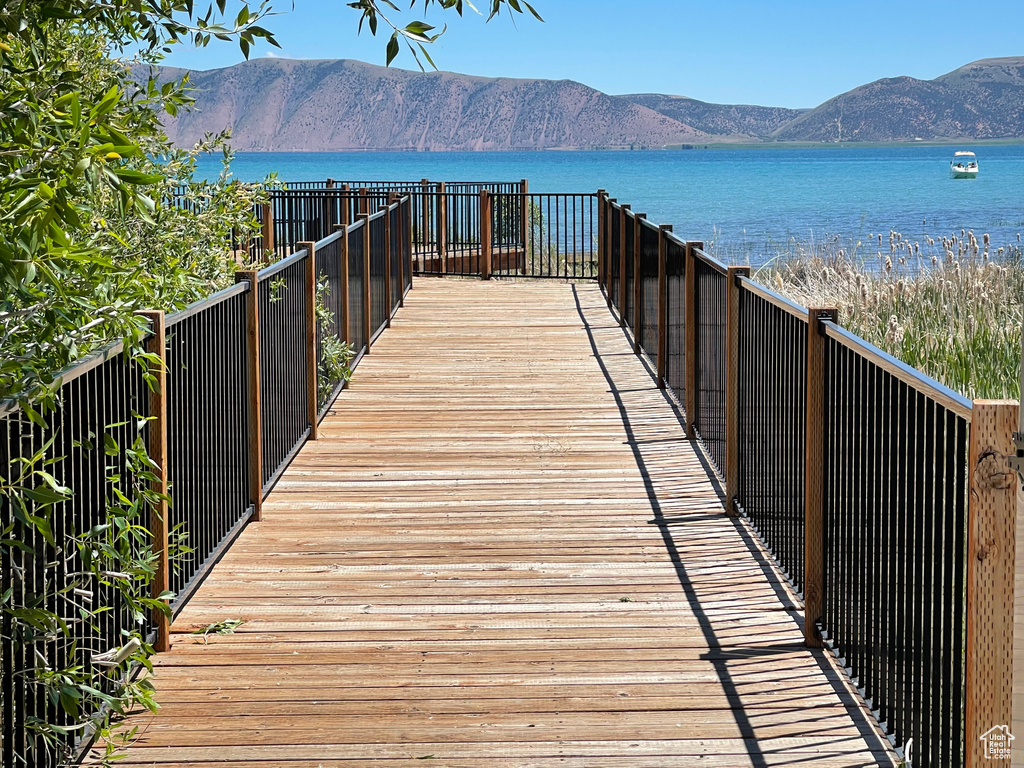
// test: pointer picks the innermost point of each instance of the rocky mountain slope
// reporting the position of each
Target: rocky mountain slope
(718, 120)
(291, 105)
(286, 105)
(982, 100)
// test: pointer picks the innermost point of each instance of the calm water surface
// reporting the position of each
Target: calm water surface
(749, 203)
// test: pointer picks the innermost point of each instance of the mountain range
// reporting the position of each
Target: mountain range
(334, 105)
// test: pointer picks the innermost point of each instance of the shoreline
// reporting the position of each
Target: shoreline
(716, 146)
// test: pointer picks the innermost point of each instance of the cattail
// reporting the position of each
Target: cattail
(888, 264)
(894, 332)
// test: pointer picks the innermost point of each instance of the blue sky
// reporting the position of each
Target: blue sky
(787, 54)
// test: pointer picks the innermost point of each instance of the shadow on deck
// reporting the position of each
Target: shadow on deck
(502, 551)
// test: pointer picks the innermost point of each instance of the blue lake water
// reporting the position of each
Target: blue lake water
(749, 203)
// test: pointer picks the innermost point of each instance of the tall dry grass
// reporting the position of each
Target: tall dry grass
(952, 308)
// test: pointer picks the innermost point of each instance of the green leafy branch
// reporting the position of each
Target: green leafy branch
(418, 34)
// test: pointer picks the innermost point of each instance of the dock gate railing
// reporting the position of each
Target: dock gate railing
(478, 229)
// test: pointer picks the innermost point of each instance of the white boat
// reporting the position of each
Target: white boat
(963, 166)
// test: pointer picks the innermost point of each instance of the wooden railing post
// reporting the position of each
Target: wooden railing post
(622, 264)
(156, 446)
(610, 214)
(252, 338)
(346, 205)
(442, 227)
(814, 475)
(637, 283)
(1018, 612)
(343, 242)
(602, 240)
(662, 363)
(690, 326)
(311, 329)
(367, 317)
(732, 395)
(267, 223)
(387, 264)
(364, 201)
(486, 239)
(991, 554)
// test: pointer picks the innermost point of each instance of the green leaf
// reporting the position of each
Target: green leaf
(137, 177)
(44, 495)
(392, 51)
(418, 28)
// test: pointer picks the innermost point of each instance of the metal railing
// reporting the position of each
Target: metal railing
(646, 289)
(331, 289)
(674, 351)
(82, 442)
(560, 234)
(358, 336)
(379, 300)
(710, 353)
(239, 397)
(283, 298)
(895, 546)
(206, 363)
(878, 491)
(772, 423)
(866, 481)
(456, 228)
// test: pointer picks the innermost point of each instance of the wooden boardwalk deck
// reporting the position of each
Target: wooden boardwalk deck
(501, 552)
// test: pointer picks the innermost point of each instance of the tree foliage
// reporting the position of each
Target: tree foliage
(418, 34)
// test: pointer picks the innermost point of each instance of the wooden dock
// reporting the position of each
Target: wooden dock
(502, 551)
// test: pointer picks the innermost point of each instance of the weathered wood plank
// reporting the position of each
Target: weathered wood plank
(501, 551)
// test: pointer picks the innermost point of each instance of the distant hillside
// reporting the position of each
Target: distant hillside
(290, 105)
(731, 120)
(282, 104)
(982, 100)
